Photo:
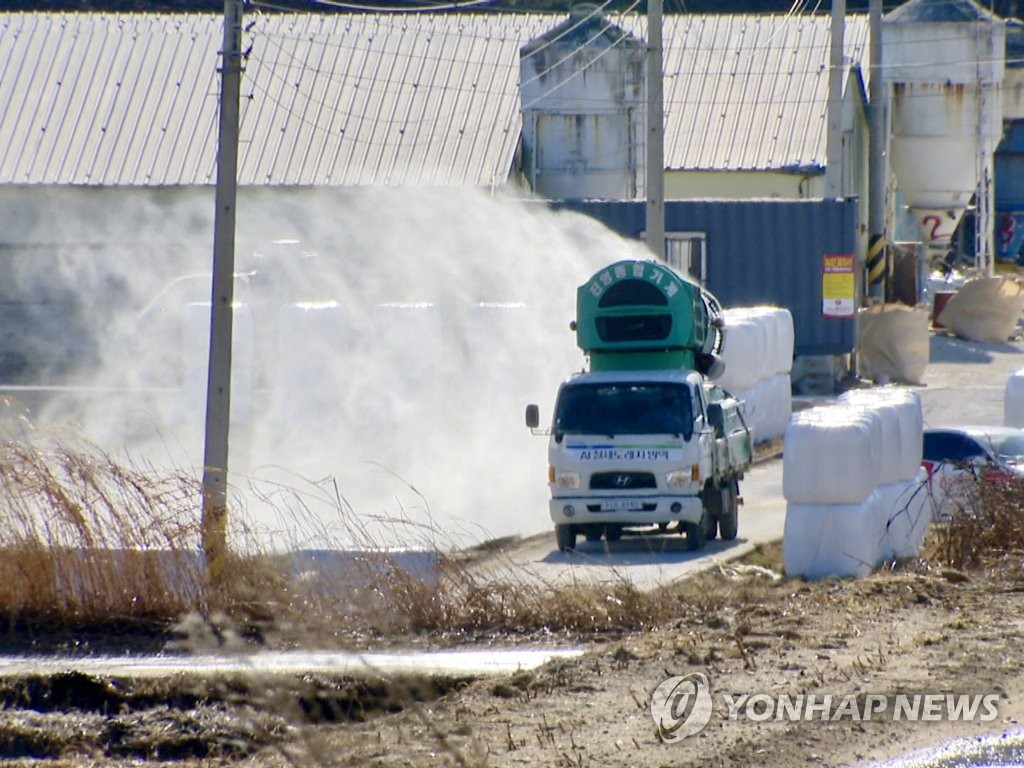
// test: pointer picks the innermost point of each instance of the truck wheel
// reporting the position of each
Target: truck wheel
(592, 533)
(613, 532)
(714, 500)
(695, 533)
(729, 523)
(565, 537)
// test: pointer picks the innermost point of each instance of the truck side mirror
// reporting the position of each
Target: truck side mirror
(532, 416)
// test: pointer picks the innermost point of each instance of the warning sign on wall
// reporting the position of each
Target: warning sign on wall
(837, 285)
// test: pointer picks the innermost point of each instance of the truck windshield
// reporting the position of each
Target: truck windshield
(651, 408)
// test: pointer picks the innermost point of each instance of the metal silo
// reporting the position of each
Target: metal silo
(583, 103)
(944, 62)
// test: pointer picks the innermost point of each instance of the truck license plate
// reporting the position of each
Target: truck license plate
(615, 505)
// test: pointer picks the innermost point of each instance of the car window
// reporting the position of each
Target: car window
(1009, 447)
(951, 446)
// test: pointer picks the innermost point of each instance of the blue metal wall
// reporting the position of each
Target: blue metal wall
(759, 252)
(1009, 171)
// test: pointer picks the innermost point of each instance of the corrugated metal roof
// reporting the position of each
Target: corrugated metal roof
(102, 99)
(750, 92)
(327, 99)
(347, 99)
(384, 99)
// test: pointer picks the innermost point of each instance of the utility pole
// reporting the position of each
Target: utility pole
(218, 389)
(655, 182)
(984, 252)
(877, 263)
(834, 137)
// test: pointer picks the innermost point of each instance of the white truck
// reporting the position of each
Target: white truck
(644, 441)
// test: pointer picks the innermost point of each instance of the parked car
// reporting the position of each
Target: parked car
(953, 456)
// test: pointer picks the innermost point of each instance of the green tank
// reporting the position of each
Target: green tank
(642, 315)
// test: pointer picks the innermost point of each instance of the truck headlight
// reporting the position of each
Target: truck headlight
(565, 479)
(679, 478)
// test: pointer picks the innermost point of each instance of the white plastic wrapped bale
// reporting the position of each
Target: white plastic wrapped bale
(831, 455)
(901, 418)
(743, 352)
(787, 340)
(767, 407)
(1013, 400)
(821, 540)
(759, 344)
(905, 512)
(779, 321)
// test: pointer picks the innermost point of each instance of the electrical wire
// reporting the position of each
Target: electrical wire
(530, 54)
(458, 115)
(390, 9)
(477, 91)
(631, 25)
(582, 47)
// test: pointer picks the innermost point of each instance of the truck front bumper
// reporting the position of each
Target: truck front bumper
(637, 510)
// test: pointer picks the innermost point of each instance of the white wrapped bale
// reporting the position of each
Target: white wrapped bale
(759, 344)
(787, 340)
(743, 353)
(778, 355)
(1013, 400)
(905, 512)
(831, 455)
(821, 540)
(767, 407)
(902, 425)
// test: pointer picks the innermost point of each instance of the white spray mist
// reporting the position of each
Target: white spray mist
(386, 342)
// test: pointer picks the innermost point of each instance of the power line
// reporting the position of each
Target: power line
(362, 116)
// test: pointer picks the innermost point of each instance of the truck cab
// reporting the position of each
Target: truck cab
(644, 440)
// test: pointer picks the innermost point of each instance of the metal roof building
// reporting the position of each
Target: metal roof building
(750, 92)
(376, 99)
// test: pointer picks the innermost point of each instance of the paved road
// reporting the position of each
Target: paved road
(964, 383)
(653, 560)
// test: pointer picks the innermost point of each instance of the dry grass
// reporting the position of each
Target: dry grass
(464, 602)
(986, 525)
(83, 536)
(87, 538)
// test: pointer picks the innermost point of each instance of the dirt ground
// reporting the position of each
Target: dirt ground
(914, 629)
(918, 630)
